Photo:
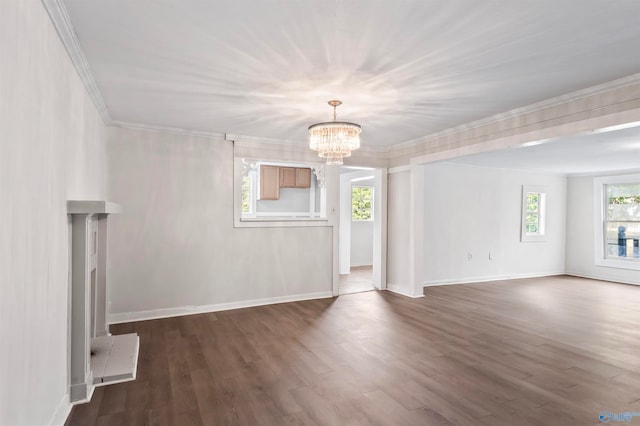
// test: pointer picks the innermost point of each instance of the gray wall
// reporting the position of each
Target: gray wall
(174, 246)
(361, 243)
(52, 148)
(478, 210)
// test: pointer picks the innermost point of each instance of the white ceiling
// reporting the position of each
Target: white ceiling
(404, 69)
(586, 153)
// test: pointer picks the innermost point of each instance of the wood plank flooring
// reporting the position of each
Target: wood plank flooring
(548, 351)
(360, 279)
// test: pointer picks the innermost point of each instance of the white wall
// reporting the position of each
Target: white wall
(175, 247)
(361, 243)
(398, 225)
(478, 210)
(580, 258)
(52, 148)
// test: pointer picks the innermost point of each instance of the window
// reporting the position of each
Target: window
(533, 224)
(274, 194)
(361, 203)
(617, 221)
(247, 183)
(534, 205)
(622, 221)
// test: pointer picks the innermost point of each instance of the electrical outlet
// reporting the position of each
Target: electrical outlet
(492, 255)
(470, 256)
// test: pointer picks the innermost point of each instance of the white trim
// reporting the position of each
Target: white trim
(201, 309)
(617, 127)
(273, 219)
(380, 231)
(170, 130)
(62, 22)
(271, 215)
(261, 140)
(136, 355)
(482, 279)
(90, 388)
(361, 179)
(394, 288)
(602, 278)
(416, 227)
(400, 169)
(265, 222)
(62, 412)
(290, 142)
(605, 173)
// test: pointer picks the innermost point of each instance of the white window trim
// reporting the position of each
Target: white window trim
(284, 219)
(599, 222)
(542, 214)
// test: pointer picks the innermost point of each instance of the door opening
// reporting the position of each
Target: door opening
(362, 226)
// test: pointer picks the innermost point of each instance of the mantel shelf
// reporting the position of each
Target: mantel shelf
(92, 207)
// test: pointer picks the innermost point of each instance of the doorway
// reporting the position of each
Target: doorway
(362, 230)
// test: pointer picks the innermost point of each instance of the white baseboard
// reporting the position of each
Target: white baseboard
(202, 309)
(601, 278)
(481, 279)
(394, 288)
(62, 412)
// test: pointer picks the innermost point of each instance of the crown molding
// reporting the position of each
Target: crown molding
(293, 143)
(605, 173)
(257, 139)
(531, 108)
(62, 22)
(164, 129)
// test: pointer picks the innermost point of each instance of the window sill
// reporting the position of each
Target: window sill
(533, 239)
(282, 219)
(631, 264)
(280, 222)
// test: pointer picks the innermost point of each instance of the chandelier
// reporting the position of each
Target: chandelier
(334, 140)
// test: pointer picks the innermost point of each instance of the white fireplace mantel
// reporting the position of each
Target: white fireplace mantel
(93, 359)
(92, 207)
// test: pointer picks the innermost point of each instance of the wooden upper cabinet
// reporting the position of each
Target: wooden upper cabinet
(272, 178)
(269, 183)
(295, 177)
(287, 177)
(303, 178)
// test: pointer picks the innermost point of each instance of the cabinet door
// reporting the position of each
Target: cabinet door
(303, 178)
(269, 183)
(287, 177)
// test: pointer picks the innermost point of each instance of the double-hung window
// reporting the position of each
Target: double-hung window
(534, 211)
(617, 200)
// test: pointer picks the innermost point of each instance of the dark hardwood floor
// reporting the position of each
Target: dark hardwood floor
(548, 351)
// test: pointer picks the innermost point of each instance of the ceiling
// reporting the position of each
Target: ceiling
(585, 153)
(403, 69)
